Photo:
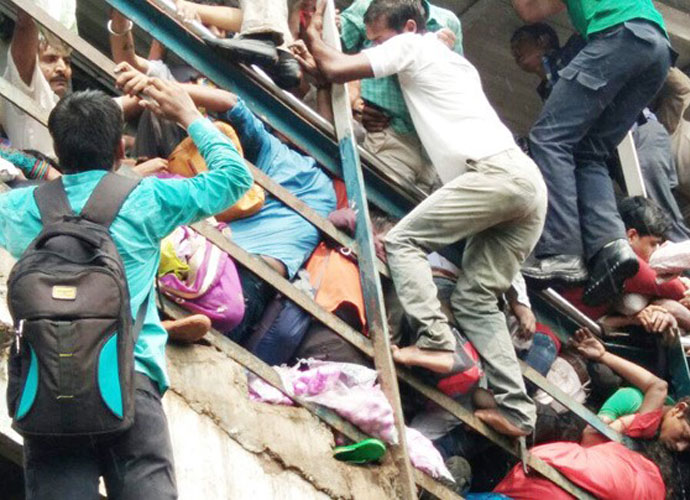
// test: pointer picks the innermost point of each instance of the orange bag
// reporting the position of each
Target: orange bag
(185, 160)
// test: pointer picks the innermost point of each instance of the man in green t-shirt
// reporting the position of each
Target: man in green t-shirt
(592, 106)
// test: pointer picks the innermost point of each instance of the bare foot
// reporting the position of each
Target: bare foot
(493, 418)
(436, 361)
(187, 330)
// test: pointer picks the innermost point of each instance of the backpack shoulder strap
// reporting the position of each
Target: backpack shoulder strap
(52, 202)
(107, 198)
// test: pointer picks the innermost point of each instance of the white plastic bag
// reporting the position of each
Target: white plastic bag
(65, 11)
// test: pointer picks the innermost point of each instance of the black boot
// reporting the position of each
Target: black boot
(247, 50)
(609, 269)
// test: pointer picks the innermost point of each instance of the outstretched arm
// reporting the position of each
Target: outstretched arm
(655, 389)
(122, 42)
(334, 65)
(133, 83)
(183, 201)
(533, 11)
(24, 47)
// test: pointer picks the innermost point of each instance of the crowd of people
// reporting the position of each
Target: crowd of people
(546, 210)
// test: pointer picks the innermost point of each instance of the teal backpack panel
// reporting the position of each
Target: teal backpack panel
(109, 376)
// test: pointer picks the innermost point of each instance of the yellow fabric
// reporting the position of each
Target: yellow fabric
(186, 161)
(170, 262)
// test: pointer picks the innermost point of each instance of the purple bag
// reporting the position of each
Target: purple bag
(208, 284)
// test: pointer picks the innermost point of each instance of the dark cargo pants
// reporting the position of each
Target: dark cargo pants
(592, 106)
(137, 464)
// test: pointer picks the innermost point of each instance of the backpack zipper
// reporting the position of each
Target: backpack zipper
(18, 332)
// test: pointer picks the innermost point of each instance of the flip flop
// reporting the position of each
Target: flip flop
(366, 451)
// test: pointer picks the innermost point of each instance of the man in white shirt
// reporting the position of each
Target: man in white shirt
(494, 198)
(41, 70)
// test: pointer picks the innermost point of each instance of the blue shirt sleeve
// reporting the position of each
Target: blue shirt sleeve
(185, 201)
(19, 220)
(261, 147)
(255, 139)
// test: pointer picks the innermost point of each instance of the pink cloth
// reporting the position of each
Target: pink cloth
(352, 392)
(671, 258)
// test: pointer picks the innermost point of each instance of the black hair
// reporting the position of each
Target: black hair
(664, 459)
(397, 13)
(645, 216)
(535, 32)
(86, 128)
(381, 222)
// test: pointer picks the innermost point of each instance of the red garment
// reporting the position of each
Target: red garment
(542, 328)
(645, 283)
(340, 194)
(645, 425)
(574, 296)
(608, 471)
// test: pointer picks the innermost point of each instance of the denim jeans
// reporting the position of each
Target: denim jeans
(137, 464)
(257, 295)
(653, 144)
(591, 108)
(280, 341)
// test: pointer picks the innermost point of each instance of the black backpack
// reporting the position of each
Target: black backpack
(71, 369)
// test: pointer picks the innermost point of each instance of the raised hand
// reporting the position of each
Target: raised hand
(587, 344)
(656, 319)
(527, 320)
(151, 167)
(130, 80)
(171, 101)
(446, 36)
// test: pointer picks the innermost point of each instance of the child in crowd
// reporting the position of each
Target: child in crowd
(648, 301)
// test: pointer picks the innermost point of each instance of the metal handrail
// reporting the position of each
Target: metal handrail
(360, 342)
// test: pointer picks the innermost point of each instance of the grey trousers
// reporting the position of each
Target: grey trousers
(498, 207)
(659, 172)
(266, 16)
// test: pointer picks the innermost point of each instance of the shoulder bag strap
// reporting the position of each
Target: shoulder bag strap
(107, 198)
(52, 202)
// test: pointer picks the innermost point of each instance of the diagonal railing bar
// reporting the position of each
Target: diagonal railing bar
(363, 344)
(368, 274)
(266, 373)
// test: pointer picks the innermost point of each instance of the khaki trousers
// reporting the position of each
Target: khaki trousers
(404, 157)
(498, 207)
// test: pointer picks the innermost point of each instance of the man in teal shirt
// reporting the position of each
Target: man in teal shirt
(390, 133)
(87, 131)
(592, 106)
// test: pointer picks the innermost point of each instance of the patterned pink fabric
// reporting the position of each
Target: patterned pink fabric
(352, 392)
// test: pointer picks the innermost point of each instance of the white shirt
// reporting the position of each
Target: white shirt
(444, 95)
(22, 130)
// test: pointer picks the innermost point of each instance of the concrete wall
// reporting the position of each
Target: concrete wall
(227, 447)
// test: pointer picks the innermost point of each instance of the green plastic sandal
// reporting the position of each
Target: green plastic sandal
(369, 450)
